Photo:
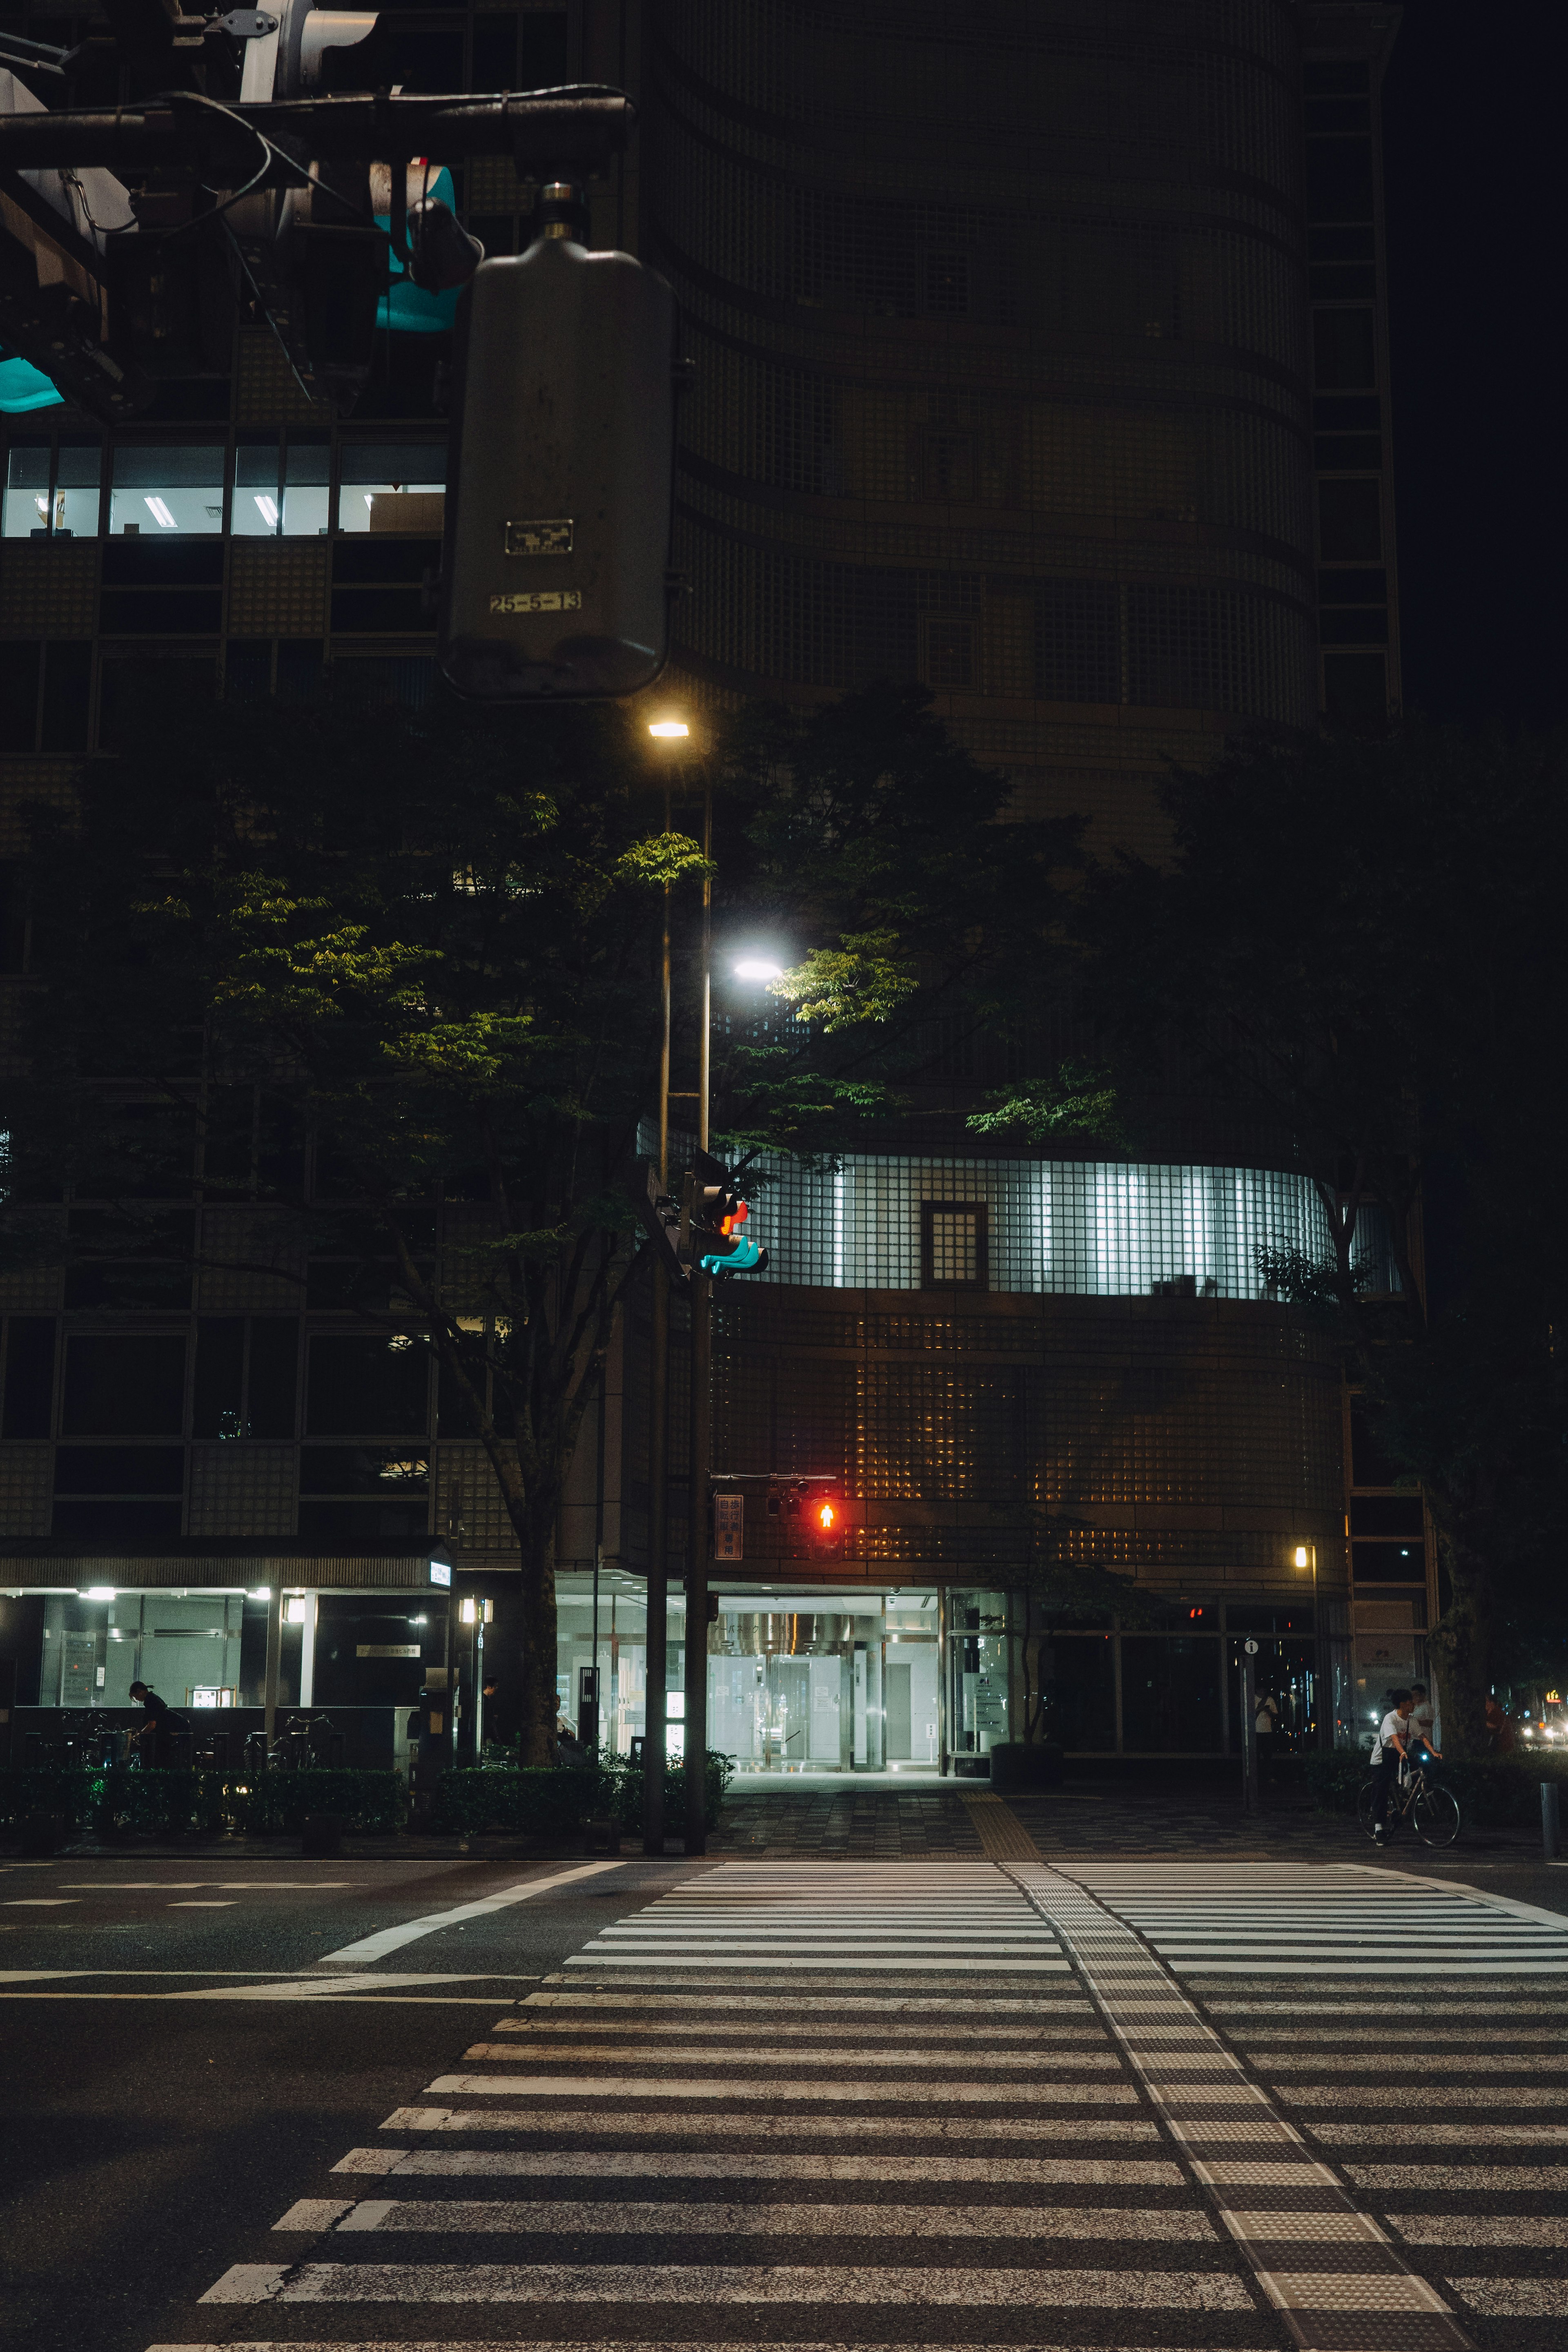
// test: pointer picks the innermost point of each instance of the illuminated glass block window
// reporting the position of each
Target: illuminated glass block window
(177, 487)
(953, 1244)
(393, 485)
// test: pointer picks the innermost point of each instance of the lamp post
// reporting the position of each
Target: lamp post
(675, 733)
(1306, 1556)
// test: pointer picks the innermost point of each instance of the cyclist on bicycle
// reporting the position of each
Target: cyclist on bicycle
(1390, 1750)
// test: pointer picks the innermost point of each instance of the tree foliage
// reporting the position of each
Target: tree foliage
(1357, 953)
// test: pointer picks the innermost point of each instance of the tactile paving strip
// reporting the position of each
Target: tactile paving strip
(1329, 2270)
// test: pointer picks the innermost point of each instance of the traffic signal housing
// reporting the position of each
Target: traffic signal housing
(713, 1214)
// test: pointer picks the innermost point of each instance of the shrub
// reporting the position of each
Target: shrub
(553, 1802)
(176, 1798)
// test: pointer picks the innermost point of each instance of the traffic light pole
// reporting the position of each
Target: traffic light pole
(695, 1734)
(656, 1673)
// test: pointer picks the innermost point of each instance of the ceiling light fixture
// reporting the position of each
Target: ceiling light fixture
(160, 515)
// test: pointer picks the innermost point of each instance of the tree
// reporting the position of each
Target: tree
(349, 964)
(1356, 955)
(417, 947)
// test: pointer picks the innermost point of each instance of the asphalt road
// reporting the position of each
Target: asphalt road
(174, 2088)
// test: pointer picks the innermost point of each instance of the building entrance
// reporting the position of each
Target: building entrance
(814, 1682)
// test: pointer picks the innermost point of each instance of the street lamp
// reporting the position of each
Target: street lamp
(1306, 1556)
(757, 967)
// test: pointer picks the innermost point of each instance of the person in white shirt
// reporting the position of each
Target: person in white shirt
(1265, 1723)
(1389, 1750)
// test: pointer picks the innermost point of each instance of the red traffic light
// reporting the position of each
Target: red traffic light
(827, 1516)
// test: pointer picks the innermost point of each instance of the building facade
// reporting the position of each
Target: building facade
(1040, 356)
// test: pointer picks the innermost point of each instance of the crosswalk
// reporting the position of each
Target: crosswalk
(1238, 1918)
(932, 2104)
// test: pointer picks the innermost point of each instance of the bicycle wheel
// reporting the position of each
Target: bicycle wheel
(1363, 1806)
(1436, 1814)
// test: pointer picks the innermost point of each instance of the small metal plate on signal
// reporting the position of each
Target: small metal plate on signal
(540, 600)
(539, 538)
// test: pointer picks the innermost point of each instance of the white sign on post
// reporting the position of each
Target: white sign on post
(729, 1528)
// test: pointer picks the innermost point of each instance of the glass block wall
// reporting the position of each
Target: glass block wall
(1097, 1229)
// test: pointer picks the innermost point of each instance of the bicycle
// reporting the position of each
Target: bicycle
(1433, 1811)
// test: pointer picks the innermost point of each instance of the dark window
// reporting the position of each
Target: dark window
(1170, 1696)
(1342, 356)
(217, 1403)
(67, 689)
(953, 1244)
(1338, 179)
(29, 1376)
(1350, 521)
(19, 666)
(1327, 77)
(1370, 1466)
(300, 662)
(1347, 415)
(494, 54)
(1353, 628)
(347, 1629)
(1388, 1563)
(133, 688)
(1355, 689)
(163, 563)
(1078, 1680)
(1342, 282)
(362, 612)
(124, 1386)
(247, 670)
(1268, 1620)
(541, 57)
(273, 1375)
(368, 1387)
(1341, 245)
(120, 1469)
(365, 1526)
(13, 918)
(140, 1258)
(174, 613)
(118, 1527)
(1386, 1515)
(1348, 453)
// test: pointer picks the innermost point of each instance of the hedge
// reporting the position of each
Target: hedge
(170, 1798)
(1493, 1791)
(554, 1801)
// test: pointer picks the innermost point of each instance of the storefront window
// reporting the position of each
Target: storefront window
(1077, 1679)
(1170, 1696)
(171, 488)
(393, 485)
(978, 1656)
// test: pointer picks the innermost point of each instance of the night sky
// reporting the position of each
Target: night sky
(1476, 161)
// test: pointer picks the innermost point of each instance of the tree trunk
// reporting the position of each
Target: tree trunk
(540, 1697)
(1459, 1643)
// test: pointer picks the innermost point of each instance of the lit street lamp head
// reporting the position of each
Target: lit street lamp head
(758, 967)
(668, 730)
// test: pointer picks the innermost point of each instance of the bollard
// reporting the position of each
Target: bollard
(1550, 1820)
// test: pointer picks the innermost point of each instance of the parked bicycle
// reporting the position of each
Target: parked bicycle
(1432, 1811)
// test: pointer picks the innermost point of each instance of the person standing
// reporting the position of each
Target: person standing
(1265, 1725)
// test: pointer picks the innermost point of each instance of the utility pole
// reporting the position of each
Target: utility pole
(695, 1734)
(654, 1651)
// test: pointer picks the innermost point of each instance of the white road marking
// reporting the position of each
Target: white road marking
(1470, 2177)
(37, 1902)
(605, 2164)
(705, 2284)
(547, 2218)
(201, 1906)
(1480, 2229)
(656, 2086)
(609, 2124)
(1521, 2298)
(774, 1961)
(392, 1940)
(723, 2055)
(1069, 2003)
